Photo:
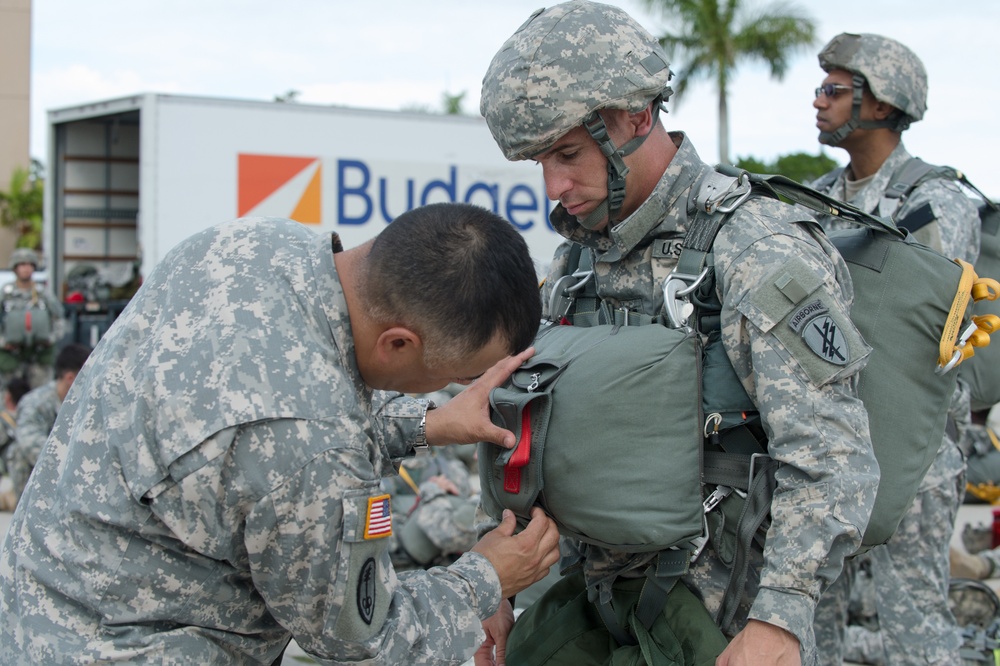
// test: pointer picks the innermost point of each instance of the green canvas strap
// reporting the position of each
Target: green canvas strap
(660, 578)
(755, 510)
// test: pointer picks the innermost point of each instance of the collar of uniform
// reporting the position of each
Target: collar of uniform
(869, 197)
(331, 296)
(681, 174)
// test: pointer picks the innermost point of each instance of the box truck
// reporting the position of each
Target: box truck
(129, 178)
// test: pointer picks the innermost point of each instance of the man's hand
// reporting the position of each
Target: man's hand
(761, 644)
(465, 419)
(497, 629)
(521, 559)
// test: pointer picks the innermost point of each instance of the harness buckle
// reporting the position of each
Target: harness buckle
(676, 288)
(722, 193)
(564, 293)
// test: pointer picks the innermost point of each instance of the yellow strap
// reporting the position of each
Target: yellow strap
(409, 479)
(5, 415)
(957, 314)
(993, 438)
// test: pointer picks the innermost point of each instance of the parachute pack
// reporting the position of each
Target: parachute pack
(571, 405)
(26, 322)
(983, 377)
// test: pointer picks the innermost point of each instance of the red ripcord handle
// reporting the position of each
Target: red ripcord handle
(522, 454)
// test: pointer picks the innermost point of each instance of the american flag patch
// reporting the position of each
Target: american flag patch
(378, 524)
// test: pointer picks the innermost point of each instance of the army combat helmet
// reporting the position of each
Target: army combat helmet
(23, 255)
(894, 75)
(558, 70)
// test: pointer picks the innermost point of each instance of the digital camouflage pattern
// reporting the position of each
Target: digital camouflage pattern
(444, 522)
(894, 73)
(205, 493)
(910, 573)
(533, 93)
(36, 414)
(817, 426)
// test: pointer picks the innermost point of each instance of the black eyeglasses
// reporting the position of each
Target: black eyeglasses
(831, 90)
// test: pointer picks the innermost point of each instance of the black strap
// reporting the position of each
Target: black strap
(755, 511)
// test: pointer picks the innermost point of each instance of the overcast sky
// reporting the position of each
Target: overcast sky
(393, 54)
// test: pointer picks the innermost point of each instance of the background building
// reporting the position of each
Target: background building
(15, 99)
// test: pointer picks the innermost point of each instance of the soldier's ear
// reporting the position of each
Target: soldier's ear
(883, 110)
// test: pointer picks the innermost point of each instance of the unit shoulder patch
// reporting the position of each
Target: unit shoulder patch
(820, 333)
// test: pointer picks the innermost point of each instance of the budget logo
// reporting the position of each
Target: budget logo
(280, 186)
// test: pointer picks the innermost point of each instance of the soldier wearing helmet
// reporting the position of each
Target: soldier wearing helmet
(32, 321)
(874, 89)
(578, 89)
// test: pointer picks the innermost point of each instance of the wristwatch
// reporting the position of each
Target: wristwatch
(420, 441)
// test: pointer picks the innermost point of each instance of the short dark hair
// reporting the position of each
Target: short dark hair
(456, 274)
(71, 358)
(17, 387)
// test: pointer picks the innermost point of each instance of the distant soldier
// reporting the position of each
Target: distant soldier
(32, 321)
(874, 88)
(37, 414)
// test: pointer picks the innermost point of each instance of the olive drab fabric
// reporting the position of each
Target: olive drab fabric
(564, 629)
(577, 461)
(981, 372)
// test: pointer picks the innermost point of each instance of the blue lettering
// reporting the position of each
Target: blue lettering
(492, 191)
(448, 187)
(343, 191)
(383, 187)
(513, 206)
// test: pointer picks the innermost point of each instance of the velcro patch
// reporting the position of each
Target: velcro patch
(378, 518)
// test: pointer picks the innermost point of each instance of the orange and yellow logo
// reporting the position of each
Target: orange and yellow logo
(280, 186)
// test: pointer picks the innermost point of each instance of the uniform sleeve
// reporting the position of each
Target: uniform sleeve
(318, 552)
(34, 422)
(816, 425)
(395, 419)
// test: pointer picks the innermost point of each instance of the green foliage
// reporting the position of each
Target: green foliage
(452, 104)
(289, 97)
(21, 206)
(801, 167)
(713, 37)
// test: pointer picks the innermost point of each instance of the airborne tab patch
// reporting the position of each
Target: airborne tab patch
(378, 520)
(820, 333)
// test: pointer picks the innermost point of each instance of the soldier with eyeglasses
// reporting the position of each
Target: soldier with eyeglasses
(874, 88)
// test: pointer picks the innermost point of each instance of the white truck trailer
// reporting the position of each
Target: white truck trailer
(129, 178)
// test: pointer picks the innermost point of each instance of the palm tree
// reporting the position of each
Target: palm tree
(713, 36)
(21, 205)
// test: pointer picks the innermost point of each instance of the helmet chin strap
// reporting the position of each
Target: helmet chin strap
(617, 170)
(835, 137)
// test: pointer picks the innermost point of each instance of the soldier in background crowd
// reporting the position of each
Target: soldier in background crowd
(15, 389)
(37, 414)
(874, 89)
(32, 322)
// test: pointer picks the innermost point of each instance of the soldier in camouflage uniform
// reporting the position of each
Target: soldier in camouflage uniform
(24, 352)
(874, 88)
(435, 507)
(211, 487)
(578, 89)
(37, 414)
